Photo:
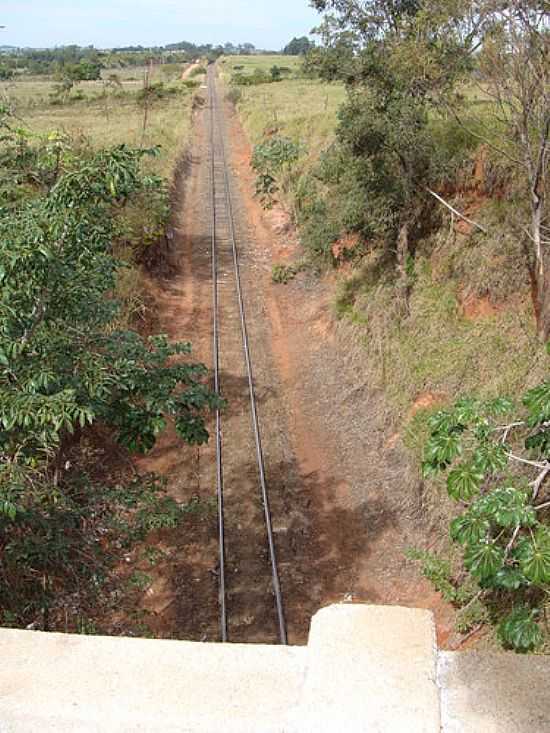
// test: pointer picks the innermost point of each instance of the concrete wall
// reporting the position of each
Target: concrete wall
(366, 668)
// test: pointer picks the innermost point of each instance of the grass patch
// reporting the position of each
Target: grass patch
(436, 349)
(247, 64)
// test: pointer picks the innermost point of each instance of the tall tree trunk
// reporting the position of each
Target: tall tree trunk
(542, 270)
(402, 262)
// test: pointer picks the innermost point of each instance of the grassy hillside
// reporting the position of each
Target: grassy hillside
(471, 294)
(303, 109)
(435, 308)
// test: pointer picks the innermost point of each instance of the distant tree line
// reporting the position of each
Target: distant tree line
(84, 63)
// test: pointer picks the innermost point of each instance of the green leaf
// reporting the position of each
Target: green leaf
(535, 562)
(509, 578)
(520, 631)
(539, 443)
(507, 507)
(484, 560)
(9, 509)
(469, 528)
(537, 401)
(442, 448)
(464, 482)
(490, 458)
(500, 406)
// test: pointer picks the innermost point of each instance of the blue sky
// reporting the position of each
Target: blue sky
(107, 23)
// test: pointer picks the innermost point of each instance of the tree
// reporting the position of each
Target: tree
(514, 71)
(387, 156)
(508, 43)
(298, 46)
(246, 49)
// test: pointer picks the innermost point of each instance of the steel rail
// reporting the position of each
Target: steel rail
(222, 596)
(248, 361)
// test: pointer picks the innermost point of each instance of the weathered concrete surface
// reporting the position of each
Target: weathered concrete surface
(494, 693)
(370, 668)
(366, 668)
(56, 683)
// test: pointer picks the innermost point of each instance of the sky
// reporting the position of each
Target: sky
(107, 23)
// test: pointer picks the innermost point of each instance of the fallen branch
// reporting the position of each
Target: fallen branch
(506, 429)
(457, 213)
(537, 483)
(467, 636)
(527, 462)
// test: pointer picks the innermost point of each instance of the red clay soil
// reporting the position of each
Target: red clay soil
(346, 497)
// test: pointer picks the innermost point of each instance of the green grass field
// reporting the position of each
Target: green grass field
(247, 64)
(108, 115)
(303, 109)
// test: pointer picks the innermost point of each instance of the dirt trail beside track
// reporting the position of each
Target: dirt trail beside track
(346, 499)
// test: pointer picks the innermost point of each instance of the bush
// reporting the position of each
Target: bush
(495, 457)
(272, 159)
(258, 76)
(283, 274)
(234, 96)
(197, 71)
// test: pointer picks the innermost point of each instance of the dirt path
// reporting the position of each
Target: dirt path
(345, 498)
(186, 73)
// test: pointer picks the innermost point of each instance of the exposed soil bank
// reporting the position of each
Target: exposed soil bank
(345, 497)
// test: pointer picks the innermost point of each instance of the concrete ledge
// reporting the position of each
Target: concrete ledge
(494, 693)
(63, 682)
(366, 668)
(370, 668)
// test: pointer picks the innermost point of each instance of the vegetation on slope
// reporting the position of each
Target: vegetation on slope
(76, 217)
(431, 180)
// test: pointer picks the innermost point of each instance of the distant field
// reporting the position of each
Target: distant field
(108, 115)
(265, 63)
(304, 109)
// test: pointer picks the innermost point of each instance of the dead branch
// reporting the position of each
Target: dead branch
(457, 213)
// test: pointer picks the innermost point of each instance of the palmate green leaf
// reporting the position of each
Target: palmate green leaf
(484, 560)
(442, 421)
(469, 528)
(520, 631)
(467, 410)
(539, 443)
(490, 458)
(500, 406)
(537, 401)
(464, 482)
(442, 448)
(507, 507)
(535, 558)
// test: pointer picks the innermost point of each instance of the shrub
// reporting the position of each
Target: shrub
(272, 159)
(283, 274)
(234, 96)
(495, 456)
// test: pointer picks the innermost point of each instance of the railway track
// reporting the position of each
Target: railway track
(246, 555)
